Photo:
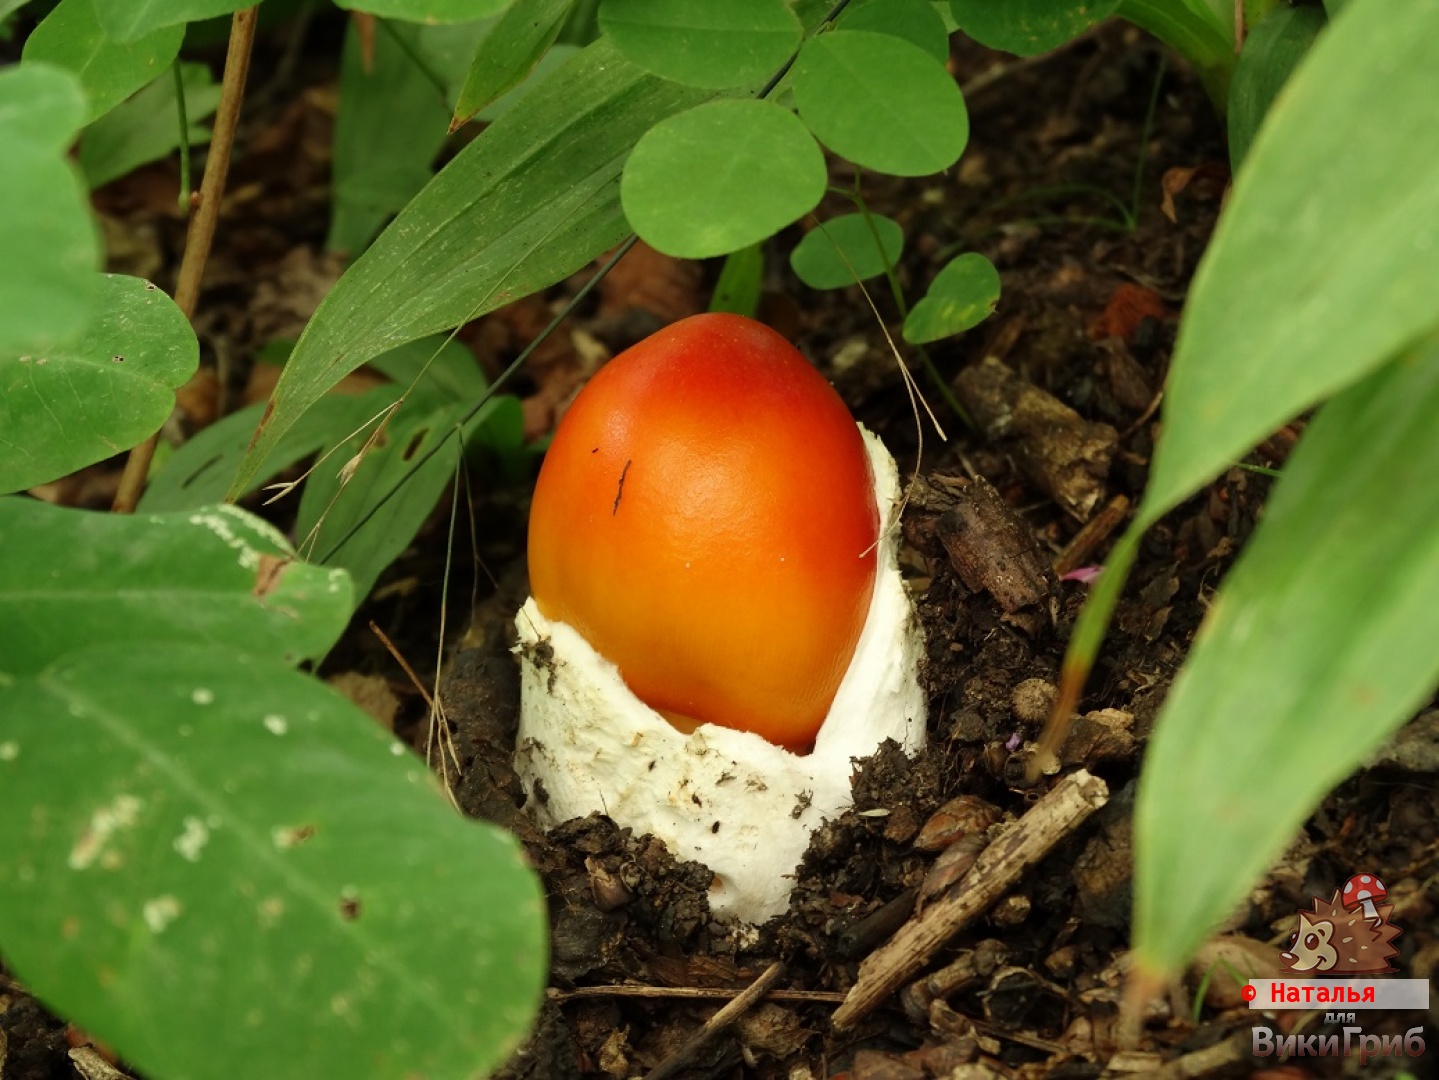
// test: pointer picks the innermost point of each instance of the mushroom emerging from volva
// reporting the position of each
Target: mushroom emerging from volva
(718, 625)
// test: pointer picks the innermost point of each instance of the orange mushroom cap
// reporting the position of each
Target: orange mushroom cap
(706, 519)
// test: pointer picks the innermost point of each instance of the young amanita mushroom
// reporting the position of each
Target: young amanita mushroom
(714, 590)
(705, 519)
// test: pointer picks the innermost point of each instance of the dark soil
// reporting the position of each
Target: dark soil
(1088, 317)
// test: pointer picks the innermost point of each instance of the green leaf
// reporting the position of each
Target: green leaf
(1326, 259)
(1271, 53)
(701, 43)
(199, 472)
(146, 128)
(881, 102)
(208, 859)
(509, 53)
(555, 58)
(71, 37)
(438, 380)
(72, 579)
(130, 20)
(47, 277)
(429, 11)
(847, 249)
(962, 295)
(720, 177)
(390, 103)
(529, 201)
(916, 21)
(1318, 646)
(740, 282)
(74, 405)
(1027, 27)
(9, 7)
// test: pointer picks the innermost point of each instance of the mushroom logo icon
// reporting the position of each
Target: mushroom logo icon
(1349, 934)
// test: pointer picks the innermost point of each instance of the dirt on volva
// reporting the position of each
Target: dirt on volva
(1062, 388)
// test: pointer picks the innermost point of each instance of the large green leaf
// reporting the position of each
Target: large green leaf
(881, 102)
(147, 127)
(1027, 27)
(1271, 53)
(1320, 643)
(220, 867)
(722, 176)
(218, 576)
(71, 37)
(386, 102)
(130, 20)
(77, 404)
(529, 201)
(47, 275)
(701, 43)
(1326, 259)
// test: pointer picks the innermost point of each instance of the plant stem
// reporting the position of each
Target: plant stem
(1133, 214)
(202, 224)
(897, 291)
(184, 136)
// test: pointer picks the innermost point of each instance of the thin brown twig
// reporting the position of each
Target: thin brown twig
(1023, 844)
(691, 993)
(439, 723)
(202, 225)
(404, 664)
(717, 1023)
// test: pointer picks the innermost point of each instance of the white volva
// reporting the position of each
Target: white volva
(729, 799)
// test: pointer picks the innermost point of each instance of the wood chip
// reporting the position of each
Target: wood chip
(1059, 451)
(993, 550)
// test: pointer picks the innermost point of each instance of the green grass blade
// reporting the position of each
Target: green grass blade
(1271, 53)
(507, 55)
(1320, 644)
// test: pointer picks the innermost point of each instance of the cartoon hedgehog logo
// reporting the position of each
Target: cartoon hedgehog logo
(1348, 934)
